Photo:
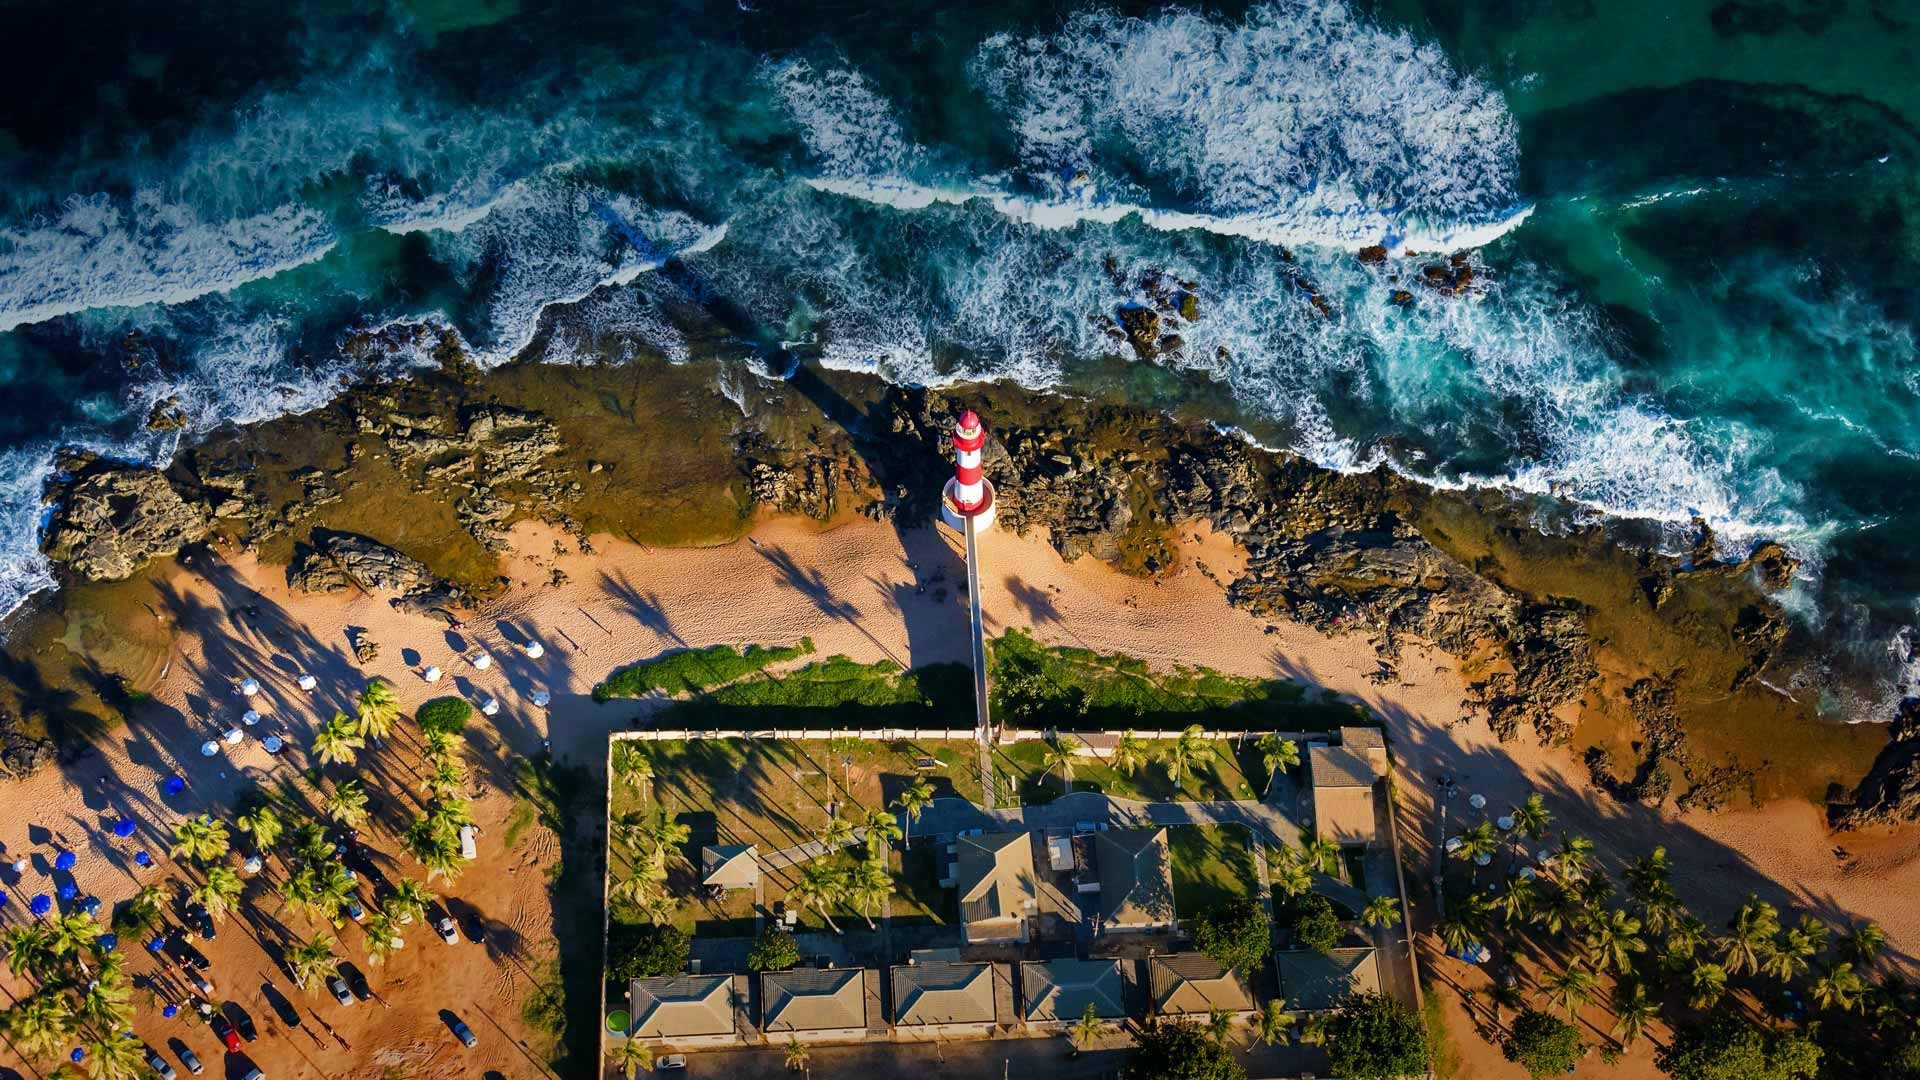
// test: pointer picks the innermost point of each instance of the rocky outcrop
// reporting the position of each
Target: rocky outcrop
(335, 562)
(109, 518)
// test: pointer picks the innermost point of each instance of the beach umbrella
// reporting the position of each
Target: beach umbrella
(156, 946)
(41, 904)
(142, 858)
(250, 717)
(109, 942)
(173, 785)
(123, 827)
(432, 674)
(272, 743)
(209, 748)
(68, 890)
(536, 650)
(170, 1011)
(542, 699)
(482, 662)
(491, 706)
(308, 683)
(64, 860)
(250, 687)
(234, 735)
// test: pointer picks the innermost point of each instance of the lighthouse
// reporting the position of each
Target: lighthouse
(968, 498)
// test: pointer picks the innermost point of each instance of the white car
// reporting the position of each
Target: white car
(449, 931)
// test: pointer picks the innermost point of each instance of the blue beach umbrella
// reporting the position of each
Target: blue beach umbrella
(64, 861)
(109, 942)
(41, 904)
(173, 785)
(68, 891)
(123, 828)
(142, 858)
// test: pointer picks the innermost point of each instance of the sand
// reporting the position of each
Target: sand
(863, 589)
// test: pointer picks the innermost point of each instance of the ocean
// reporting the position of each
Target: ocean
(1689, 231)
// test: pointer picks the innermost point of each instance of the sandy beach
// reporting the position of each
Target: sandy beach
(863, 589)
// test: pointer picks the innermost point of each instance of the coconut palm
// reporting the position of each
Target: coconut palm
(1611, 940)
(264, 824)
(798, 1056)
(1272, 1023)
(200, 839)
(30, 951)
(1750, 935)
(41, 1024)
(347, 804)
(1862, 943)
(868, 887)
(1381, 911)
(914, 798)
(1058, 756)
(633, 1057)
(882, 830)
(1277, 754)
(337, 741)
(1531, 818)
(219, 893)
(1185, 753)
(1838, 987)
(1573, 858)
(116, 1056)
(1571, 988)
(312, 963)
(377, 710)
(1706, 984)
(820, 885)
(383, 937)
(1633, 1012)
(631, 765)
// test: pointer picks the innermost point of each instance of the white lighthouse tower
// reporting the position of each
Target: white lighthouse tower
(969, 495)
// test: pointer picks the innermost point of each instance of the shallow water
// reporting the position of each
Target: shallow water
(1694, 269)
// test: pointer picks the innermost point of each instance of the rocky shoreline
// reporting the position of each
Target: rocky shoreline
(1666, 672)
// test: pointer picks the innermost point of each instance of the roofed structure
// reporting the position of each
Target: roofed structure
(1136, 879)
(942, 993)
(1195, 984)
(730, 866)
(682, 1007)
(1311, 980)
(1061, 990)
(1342, 794)
(813, 1000)
(998, 888)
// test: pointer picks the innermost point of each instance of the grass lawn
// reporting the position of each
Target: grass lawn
(1224, 774)
(1211, 865)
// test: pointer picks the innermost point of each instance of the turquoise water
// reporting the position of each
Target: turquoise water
(1690, 226)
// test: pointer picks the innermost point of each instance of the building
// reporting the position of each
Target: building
(1195, 984)
(1342, 794)
(730, 866)
(1312, 980)
(940, 999)
(684, 1010)
(1136, 880)
(813, 1005)
(1369, 743)
(1056, 993)
(998, 889)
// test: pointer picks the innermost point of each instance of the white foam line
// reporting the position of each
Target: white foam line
(1352, 231)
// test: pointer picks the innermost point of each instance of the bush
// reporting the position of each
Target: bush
(644, 951)
(1374, 1037)
(773, 950)
(448, 714)
(1237, 933)
(1170, 1051)
(1543, 1045)
(1315, 923)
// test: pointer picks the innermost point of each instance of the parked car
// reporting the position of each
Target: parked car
(161, 1068)
(338, 987)
(223, 1027)
(672, 1062)
(449, 931)
(191, 1060)
(465, 1034)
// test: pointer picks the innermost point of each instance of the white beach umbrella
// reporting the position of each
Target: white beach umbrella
(491, 706)
(432, 674)
(209, 748)
(482, 662)
(250, 687)
(250, 717)
(536, 650)
(308, 683)
(542, 699)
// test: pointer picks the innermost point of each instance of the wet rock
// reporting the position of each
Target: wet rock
(110, 518)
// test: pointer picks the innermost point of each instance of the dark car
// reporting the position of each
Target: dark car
(203, 922)
(223, 1027)
(356, 981)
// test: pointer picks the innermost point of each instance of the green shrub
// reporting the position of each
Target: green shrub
(448, 714)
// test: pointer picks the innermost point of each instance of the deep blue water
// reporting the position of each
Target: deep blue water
(1691, 226)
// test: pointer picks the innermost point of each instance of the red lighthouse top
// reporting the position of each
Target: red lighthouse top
(967, 432)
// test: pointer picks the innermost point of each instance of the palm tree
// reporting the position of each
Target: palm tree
(1271, 1024)
(868, 887)
(1571, 988)
(633, 1057)
(631, 765)
(347, 804)
(312, 963)
(1862, 943)
(219, 893)
(1185, 752)
(116, 1056)
(882, 830)
(1277, 754)
(1129, 754)
(1838, 987)
(1057, 756)
(1220, 1026)
(41, 1024)
(1381, 911)
(798, 1056)
(1087, 1028)
(30, 951)
(1633, 1012)
(1750, 936)
(914, 798)
(819, 886)
(200, 839)
(376, 711)
(1531, 818)
(383, 937)
(337, 741)
(263, 823)
(1612, 939)
(1575, 856)
(1706, 985)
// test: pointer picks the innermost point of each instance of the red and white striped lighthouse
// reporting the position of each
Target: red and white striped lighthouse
(969, 495)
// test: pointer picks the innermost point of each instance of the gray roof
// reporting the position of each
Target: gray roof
(814, 1000)
(1136, 876)
(1062, 989)
(996, 877)
(943, 993)
(1316, 980)
(730, 866)
(1337, 766)
(682, 1006)
(1196, 984)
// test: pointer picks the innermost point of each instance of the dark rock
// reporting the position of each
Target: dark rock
(111, 517)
